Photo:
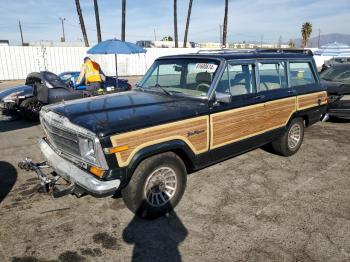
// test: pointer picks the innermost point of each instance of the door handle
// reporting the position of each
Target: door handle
(259, 97)
(292, 91)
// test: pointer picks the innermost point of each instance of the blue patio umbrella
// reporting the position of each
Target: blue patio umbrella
(115, 46)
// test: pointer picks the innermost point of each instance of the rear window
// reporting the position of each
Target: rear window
(301, 74)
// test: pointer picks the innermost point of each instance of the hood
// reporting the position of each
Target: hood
(336, 88)
(25, 90)
(116, 113)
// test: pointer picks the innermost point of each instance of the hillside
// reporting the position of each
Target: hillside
(326, 39)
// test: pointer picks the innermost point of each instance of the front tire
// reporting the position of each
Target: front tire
(156, 186)
(30, 108)
(289, 143)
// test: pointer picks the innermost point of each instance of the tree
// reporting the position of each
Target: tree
(167, 38)
(175, 25)
(306, 31)
(291, 44)
(280, 41)
(224, 34)
(81, 21)
(123, 19)
(187, 22)
(97, 16)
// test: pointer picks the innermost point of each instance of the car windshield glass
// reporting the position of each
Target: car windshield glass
(341, 74)
(186, 76)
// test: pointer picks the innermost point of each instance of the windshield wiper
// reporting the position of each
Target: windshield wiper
(163, 89)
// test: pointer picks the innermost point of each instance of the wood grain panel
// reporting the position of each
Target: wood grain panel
(237, 124)
(194, 132)
(278, 113)
(311, 100)
(233, 125)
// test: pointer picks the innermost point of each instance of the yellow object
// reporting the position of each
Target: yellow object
(116, 149)
(92, 72)
(97, 171)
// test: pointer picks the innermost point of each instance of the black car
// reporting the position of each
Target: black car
(188, 112)
(42, 88)
(337, 80)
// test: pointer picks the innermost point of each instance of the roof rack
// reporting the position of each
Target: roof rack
(226, 51)
(286, 50)
(259, 50)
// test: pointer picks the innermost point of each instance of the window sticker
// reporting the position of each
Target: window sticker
(206, 67)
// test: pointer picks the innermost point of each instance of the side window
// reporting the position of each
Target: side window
(238, 80)
(272, 75)
(301, 74)
(241, 79)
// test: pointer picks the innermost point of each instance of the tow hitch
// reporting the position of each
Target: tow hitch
(48, 185)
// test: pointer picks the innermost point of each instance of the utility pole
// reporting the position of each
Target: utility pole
(63, 39)
(261, 40)
(20, 29)
(319, 38)
(155, 37)
(123, 19)
(97, 16)
(81, 21)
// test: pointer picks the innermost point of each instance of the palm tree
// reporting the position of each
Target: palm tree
(123, 19)
(224, 34)
(188, 22)
(175, 25)
(97, 16)
(81, 21)
(306, 31)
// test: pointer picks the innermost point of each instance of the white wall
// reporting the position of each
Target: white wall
(16, 62)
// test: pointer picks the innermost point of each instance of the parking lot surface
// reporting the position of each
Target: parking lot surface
(254, 207)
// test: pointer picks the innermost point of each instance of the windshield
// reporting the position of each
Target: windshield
(341, 74)
(191, 77)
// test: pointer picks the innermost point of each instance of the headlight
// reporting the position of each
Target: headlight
(12, 97)
(87, 150)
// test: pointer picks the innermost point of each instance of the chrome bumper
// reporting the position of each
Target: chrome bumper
(75, 175)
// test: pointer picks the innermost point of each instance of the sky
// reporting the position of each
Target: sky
(248, 20)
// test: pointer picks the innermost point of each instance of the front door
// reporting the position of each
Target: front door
(243, 117)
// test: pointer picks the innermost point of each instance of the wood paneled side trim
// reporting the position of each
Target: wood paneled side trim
(241, 123)
(311, 100)
(194, 132)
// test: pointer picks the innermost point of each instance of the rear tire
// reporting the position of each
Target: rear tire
(289, 143)
(30, 108)
(156, 186)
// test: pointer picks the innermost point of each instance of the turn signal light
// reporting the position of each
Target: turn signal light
(116, 149)
(97, 171)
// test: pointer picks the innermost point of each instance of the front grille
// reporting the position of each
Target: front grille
(61, 139)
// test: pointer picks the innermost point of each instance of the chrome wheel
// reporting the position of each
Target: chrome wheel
(160, 186)
(294, 136)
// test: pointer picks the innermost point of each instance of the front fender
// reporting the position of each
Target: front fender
(177, 146)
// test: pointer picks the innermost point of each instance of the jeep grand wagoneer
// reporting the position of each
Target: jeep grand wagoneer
(188, 112)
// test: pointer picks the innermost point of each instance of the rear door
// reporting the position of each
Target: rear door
(279, 96)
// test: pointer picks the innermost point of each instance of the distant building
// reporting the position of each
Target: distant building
(4, 42)
(160, 44)
(210, 45)
(256, 45)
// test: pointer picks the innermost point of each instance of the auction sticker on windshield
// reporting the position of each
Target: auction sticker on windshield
(206, 67)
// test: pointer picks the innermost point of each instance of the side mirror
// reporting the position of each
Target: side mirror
(223, 98)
